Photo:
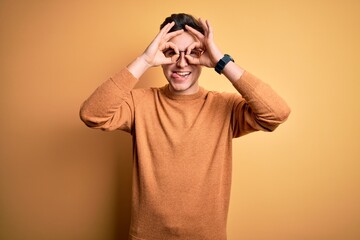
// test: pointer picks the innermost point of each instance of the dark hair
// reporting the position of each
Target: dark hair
(182, 19)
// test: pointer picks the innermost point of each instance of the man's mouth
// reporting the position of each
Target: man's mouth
(182, 74)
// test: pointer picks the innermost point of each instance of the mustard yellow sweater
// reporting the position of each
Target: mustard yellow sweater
(182, 149)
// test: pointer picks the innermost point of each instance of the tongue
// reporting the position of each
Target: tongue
(175, 75)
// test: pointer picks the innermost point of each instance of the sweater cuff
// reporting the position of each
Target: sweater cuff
(124, 79)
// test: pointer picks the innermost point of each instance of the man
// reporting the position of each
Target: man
(182, 133)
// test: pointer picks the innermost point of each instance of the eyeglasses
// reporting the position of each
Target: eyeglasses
(195, 53)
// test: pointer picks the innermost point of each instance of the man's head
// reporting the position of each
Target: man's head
(182, 76)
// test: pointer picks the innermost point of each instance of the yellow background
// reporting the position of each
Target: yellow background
(62, 181)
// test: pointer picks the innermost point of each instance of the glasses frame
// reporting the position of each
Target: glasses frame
(198, 54)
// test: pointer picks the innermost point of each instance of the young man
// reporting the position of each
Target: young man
(182, 133)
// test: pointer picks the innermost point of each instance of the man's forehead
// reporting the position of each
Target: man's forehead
(183, 40)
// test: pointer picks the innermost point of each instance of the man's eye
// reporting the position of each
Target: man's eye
(196, 53)
(169, 53)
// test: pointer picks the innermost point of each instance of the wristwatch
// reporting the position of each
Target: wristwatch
(222, 63)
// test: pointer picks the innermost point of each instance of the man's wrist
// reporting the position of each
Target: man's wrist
(139, 66)
(143, 58)
(217, 58)
(220, 65)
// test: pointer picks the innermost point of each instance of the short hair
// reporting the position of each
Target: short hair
(182, 19)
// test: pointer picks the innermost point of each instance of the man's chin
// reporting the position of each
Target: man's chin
(178, 88)
(182, 88)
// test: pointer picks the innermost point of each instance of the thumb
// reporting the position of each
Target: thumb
(192, 60)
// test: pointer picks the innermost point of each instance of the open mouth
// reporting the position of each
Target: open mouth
(181, 74)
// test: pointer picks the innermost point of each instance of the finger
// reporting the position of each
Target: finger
(169, 26)
(192, 46)
(210, 29)
(169, 60)
(168, 36)
(204, 26)
(163, 31)
(194, 32)
(166, 28)
(168, 45)
(175, 58)
(192, 60)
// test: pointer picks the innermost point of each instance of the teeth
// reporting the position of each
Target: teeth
(183, 73)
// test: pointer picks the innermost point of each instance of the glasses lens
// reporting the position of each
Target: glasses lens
(169, 53)
(196, 53)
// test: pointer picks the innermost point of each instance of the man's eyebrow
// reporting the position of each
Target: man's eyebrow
(171, 49)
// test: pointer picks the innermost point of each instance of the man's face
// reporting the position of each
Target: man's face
(182, 76)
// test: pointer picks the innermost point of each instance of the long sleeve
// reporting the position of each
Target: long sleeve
(110, 107)
(263, 109)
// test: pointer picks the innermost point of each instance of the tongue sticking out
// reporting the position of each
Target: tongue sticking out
(180, 75)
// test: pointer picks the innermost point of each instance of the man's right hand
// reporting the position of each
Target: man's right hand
(153, 55)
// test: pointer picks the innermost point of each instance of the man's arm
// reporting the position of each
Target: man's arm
(270, 109)
(153, 55)
(267, 107)
(110, 106)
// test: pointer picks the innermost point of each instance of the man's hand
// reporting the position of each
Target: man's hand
(154, 55)
(205, 42)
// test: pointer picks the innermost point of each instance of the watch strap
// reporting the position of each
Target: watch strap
(222, 63)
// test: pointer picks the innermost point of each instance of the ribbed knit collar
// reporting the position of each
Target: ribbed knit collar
(199, 94)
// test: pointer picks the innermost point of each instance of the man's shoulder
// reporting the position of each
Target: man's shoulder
(145, 95)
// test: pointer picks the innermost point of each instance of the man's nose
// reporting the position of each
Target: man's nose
(182, 61)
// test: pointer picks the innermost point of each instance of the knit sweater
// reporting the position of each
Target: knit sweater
(182, 149)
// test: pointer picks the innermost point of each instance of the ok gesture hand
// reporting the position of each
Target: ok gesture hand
(205, 42)
(153, 54)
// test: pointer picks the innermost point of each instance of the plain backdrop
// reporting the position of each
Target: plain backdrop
(60, 180)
